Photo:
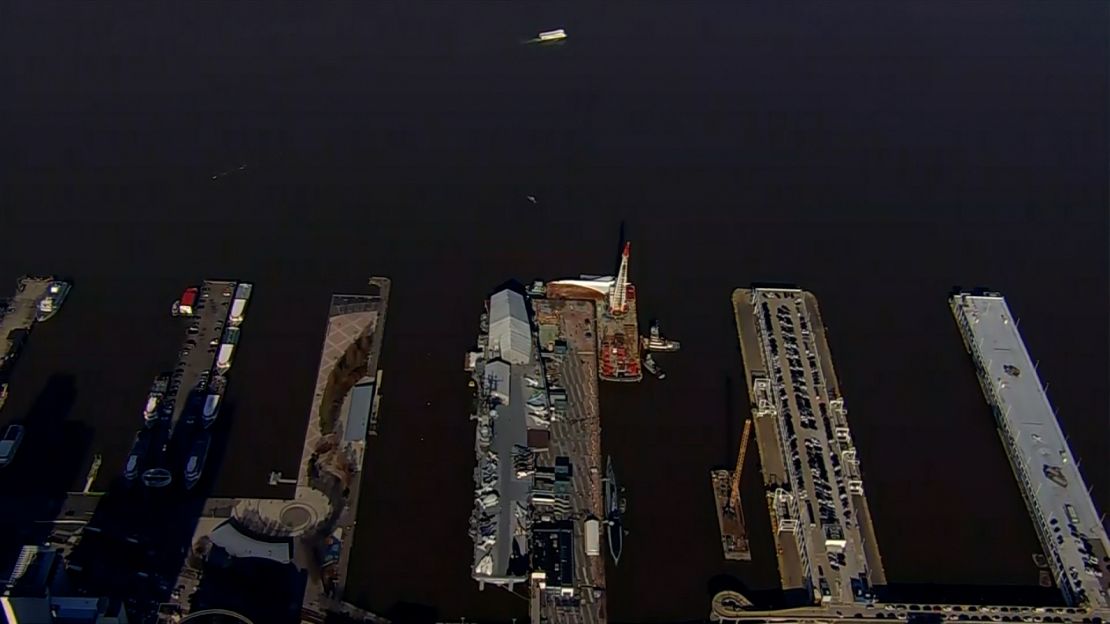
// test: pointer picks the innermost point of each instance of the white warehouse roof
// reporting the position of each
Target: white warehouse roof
(509, 331)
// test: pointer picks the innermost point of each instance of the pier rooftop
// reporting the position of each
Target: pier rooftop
(823, 529)
(574, 454)
(1065, 517)
(320, 516)
(198, 353)
(18, 316)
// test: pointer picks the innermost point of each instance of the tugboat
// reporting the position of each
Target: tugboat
(136, 456)
(227, 350)
(52, 301)
(194, 465)
(212, 401)
(239, 304)
(140, 448)
(157, 393)
(656, 342)
(653, 368)
(614, 507)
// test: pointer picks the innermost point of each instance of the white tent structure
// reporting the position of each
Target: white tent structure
(510, 335)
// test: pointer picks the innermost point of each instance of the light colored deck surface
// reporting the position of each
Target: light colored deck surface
(817, 475)
(1063, 513)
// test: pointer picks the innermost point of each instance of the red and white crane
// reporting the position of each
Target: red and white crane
(618, 294)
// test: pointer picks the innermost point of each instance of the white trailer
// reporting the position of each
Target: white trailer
(593, 537)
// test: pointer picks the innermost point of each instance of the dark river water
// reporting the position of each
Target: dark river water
(876, 153)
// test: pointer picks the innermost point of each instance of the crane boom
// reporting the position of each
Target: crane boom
(734, 499)
(618, 292)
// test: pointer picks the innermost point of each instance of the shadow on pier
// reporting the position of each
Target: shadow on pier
(49, 459)
(139, 543)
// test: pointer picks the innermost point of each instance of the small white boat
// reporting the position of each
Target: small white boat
(553, 35)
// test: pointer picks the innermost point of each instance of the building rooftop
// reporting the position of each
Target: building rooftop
(358, 411)
(1036, 444)
(553, 545)
(509, 329)
(238, 544)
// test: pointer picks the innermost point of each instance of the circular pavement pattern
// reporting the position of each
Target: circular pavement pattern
(297, 517)
(215, 616)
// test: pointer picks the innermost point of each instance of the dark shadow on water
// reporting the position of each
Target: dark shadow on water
(411, 612)
(513, 285)
(138, 540)
(262, 590)
(33, 487)
(760, 598)
(732, 425)
(217, 453)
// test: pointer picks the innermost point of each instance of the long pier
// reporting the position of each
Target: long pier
(1059, 502)
(321, 517)
(822, 525)
(576, 436)
(168, 438)
(727, 611)
(17, 317)
(1069, 526)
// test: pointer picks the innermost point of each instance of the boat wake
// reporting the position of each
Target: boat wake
(224, 174)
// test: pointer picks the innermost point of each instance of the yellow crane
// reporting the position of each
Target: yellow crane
(734, 498)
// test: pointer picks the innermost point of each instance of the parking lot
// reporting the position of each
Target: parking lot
(202, 338)
(818, 498)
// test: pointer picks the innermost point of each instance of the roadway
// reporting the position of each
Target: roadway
(725, 610)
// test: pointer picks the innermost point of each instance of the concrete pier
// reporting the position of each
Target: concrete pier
(822, 526)
(18, 317)
(1070, 528)
(576, 435)
(322, 515)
